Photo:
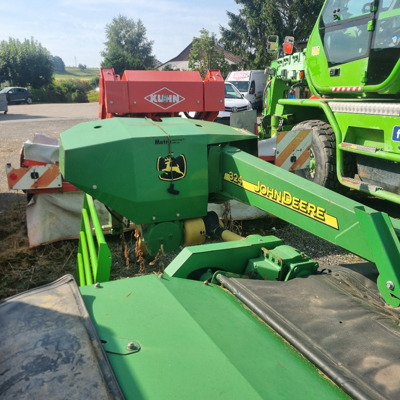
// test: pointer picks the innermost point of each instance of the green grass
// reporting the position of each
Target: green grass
(93, 96)
(76, 73)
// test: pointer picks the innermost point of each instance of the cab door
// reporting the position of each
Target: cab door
(338, 50)
(385, 46)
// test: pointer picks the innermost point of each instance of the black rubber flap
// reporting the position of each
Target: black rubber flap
(49, 348)
(337, 320)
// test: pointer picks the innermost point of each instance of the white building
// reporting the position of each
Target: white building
(181, 61)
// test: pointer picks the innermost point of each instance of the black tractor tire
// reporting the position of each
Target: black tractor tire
(323, 149)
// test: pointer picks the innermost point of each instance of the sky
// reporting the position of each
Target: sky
(75, 29)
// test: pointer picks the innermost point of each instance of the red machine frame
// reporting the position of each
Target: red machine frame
(158, 94)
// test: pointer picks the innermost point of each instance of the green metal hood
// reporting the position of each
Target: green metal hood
(147, 171)
(195, 341)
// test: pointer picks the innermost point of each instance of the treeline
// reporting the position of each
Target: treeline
(247, 32)
(25, 63)
(67, 91)
(29, 64)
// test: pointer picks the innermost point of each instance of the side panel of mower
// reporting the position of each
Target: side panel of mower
(134, 177)
(147, 171)
(195, 341)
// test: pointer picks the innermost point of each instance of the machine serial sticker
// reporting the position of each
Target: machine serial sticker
(285, 199)
(315, 51)
(396, 134)
(172, 168)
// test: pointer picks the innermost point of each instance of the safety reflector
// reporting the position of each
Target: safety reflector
(35, 177)
(293, 149)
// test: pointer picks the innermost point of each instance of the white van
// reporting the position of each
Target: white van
(234, 102)
(251, 84)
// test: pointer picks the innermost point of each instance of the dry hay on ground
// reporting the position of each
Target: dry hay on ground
(23, 268)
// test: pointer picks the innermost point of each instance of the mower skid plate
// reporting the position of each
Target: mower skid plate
(49, 348)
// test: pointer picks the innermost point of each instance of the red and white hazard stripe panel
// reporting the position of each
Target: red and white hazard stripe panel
(293, 149)
(346, 89)
(36, 177)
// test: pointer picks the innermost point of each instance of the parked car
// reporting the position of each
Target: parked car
(17, 95)
(234, 102)
(3, 103)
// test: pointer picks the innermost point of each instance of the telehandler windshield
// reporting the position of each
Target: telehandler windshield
(361, 41)
(344, 30)
(385, 47)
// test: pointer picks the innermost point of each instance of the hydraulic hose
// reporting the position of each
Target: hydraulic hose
(213, 227)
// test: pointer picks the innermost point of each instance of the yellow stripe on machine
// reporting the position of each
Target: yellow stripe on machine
(285, 199)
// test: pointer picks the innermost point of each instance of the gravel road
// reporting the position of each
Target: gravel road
(23, 121)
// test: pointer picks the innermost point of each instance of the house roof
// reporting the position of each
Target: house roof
(184, 55)
(232, 57)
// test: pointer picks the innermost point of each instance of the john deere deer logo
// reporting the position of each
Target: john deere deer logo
(172, 168)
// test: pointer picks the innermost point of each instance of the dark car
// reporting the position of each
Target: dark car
(17, 95)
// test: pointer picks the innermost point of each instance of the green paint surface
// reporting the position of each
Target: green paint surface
(196, 342)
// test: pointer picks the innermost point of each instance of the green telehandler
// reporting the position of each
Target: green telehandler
(345, 87)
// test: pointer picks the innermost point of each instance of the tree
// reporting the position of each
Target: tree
(248, 32)
(25, 63)
(207, 54)
(59, 65)
(127, 46)
(167, 67)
